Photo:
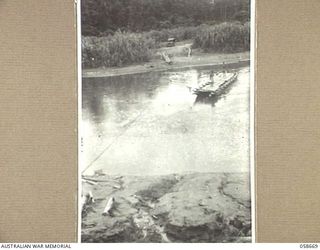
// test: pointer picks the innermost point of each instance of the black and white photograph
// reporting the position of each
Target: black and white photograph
(166, 121)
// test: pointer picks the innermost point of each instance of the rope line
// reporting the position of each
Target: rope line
(111, 143)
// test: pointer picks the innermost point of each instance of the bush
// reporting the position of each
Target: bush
(124, 48)
(225, 37)
(117, 50)
(181, 33)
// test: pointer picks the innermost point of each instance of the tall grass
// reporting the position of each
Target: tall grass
(225, 37)
(124, 48)
(181, 33)
(117, 50)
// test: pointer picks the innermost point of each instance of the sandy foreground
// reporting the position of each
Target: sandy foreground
(195, 207)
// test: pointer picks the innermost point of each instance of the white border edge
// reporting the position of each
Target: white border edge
(79, 70)
(252, 118)
(253, 47)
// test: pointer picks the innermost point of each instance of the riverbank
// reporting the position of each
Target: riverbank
(179, 62)
(210, 207)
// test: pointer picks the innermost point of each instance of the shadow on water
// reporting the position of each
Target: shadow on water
(116, 96)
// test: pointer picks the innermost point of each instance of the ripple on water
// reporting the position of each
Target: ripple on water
(150, 124)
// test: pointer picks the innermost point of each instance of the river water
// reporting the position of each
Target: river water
(149, 124)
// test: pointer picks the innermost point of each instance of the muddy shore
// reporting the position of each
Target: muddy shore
(179, 62)
(196, 207)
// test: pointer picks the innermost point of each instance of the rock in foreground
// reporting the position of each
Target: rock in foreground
(210, 207)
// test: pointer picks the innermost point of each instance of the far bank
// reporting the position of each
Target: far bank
(196, 60)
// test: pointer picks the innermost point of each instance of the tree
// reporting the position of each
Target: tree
(103, 17)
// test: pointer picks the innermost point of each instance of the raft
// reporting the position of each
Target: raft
(214, 88)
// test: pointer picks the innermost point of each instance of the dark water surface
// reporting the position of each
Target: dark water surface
(150, 123)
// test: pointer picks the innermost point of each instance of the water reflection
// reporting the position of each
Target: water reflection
(152, 124)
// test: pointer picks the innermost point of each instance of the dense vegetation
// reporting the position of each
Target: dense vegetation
(117, 50)
(181, 33)
(104, 17)
(124, 48)
(122, 32)
(225, 37)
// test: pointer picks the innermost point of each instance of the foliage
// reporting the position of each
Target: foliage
(120, 49)
(104, 17)
(125, 48)
(181, 33)
(225, 37)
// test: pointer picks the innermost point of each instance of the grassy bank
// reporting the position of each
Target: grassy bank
(128, 48)
(198, 59)
(225, 37)
(181, 33)
(117, 50)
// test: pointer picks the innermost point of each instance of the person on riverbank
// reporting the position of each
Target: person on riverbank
(211, 77)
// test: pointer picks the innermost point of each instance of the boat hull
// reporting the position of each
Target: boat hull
(212, 93)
